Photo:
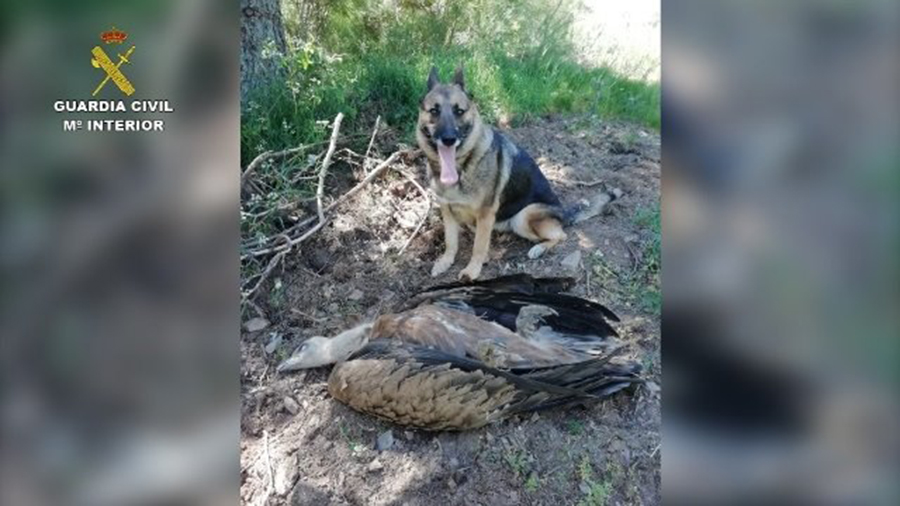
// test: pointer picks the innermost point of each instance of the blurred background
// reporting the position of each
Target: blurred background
(118, 301)
(780, 209)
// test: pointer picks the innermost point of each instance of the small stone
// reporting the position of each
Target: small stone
(585, 489)
(572, 260)
(535, 417)
(356, 294)
(454, 463)
(285, 475)
(274, 342)
(408, 435)
(385, 441)
(451, 483)
(375, 466)
(256, 324)
(652, 386)
(291, 405)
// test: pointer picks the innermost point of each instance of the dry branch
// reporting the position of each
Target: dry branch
(269, 268)
(588, 183)
(320, 191)
(372, 140)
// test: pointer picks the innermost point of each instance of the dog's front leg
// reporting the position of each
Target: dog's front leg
(451, 242)
(484, 224)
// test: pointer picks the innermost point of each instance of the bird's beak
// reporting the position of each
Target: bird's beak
(290, 364)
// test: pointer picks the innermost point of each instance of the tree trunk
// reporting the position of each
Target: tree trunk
(260, 27)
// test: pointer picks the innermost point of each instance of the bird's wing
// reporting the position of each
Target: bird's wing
(465, 335)
(574, 315)
(519, 283)
(425, 387)
(514, 283)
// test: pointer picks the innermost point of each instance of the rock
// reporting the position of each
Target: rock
(274, 342)
(291, 405)
(375, 466)
(454, 463)
(256, 324)
(585, 489)
(652, 386)
(356, 294)
(535, 417)
(451, 483)
(572, 260)
(285, 475)
(408, 435)
(385, 441)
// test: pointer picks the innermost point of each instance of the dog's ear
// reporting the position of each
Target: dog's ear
(458, 78)
(433, 78)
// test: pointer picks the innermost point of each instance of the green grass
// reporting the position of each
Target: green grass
(352, 442)
(517, 460)
(597, 491)
(533, 483)
(574, 427)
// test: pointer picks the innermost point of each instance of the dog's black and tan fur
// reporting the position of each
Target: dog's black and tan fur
(485, 181)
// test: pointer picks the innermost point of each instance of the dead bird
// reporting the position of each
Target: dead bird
(469, 355)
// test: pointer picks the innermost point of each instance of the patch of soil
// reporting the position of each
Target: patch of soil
(301, 447)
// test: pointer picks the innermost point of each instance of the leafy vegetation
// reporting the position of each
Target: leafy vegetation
(368, 58)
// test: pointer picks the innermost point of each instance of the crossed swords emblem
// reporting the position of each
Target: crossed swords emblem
(101, 60)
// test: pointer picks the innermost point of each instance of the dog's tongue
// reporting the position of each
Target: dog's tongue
(448, 164)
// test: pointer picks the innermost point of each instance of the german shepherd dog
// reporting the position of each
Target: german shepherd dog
(484, 181)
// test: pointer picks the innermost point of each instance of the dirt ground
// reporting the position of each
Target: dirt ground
(301, 447)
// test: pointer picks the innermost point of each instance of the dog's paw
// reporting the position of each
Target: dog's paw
(441, 265)
(536, 251)
(470, 273)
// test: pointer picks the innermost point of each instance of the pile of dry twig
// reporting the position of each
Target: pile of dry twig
(275, 247)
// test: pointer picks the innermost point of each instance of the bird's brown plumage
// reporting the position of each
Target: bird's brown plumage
(462, 334)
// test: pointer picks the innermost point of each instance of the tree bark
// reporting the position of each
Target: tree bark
(260, 26)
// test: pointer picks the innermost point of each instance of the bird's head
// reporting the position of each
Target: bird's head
(321, 351)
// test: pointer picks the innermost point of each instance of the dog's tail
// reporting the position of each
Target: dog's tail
(579, 212)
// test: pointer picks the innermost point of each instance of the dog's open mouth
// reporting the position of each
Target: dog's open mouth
(447, 154)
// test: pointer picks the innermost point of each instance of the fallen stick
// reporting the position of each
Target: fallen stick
(587, 183)
(269, 268)
(372, 140)
(320, 191)
(271, 484)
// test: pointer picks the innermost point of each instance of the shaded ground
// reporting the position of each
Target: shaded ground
(304, 448)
